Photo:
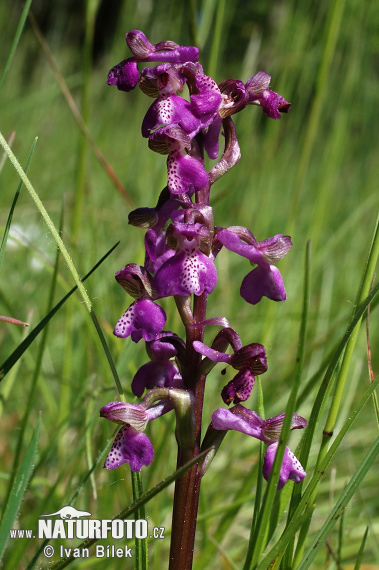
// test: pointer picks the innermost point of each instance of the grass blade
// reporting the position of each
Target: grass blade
(341, 504)
(10, 216)
(361, 550)
(16, 39)
(16, 354)
(18, 489)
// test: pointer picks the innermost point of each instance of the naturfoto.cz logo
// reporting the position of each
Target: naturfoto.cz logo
(72, 525)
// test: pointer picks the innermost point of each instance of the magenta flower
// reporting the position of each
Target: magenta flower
(249, 422)
(265, 279)
(131, 445)
(185, 173)
(189, 270)
(272, 104)
(161, 372)
(144, 318)
(250, 361)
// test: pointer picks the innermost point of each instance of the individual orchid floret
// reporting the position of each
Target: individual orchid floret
(183, 170)
(265, 279)
(131, 445)
(144, 318)
(291, 467)
(125, 75)
(247, 421)
(164, 79)
(206, 100)
(161, 372)
(272, 103)
(250, 361)
(201, 113)
(154, 219)
(189, 270)
(234, 97)
(171, 111)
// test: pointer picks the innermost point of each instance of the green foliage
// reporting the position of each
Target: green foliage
(313, 174)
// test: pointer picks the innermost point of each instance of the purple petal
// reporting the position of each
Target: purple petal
(238, 389)
(125, 75)
(184, 274)
(157, 250)
(291, 467)
(160, 349)
(251, 356)
(235, 97)
(261, 282)
(184, 171)
(143, 319)
(232, 242)
(130, 446)
(154, 375)
(273, 104)
(239, 419)
(213, 355)
(181, 54)
(170, 110)
(211, 137)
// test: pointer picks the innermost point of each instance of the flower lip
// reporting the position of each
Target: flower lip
(130, 446)
(291, 467)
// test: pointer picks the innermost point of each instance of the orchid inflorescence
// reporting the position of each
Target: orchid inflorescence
(182, 243)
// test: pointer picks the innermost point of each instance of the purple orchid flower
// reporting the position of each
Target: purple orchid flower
(144, 318)
(272, 103)
(130, 445)
(189, 270)
(249, 422)
(250, 361)
(198, 114)
(184, 171)
(164, 79)
(125, 75)
(161, 372)
(154, 219)
(239, 418)
(265, 279)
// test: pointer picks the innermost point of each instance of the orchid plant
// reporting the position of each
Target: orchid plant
(182, 242)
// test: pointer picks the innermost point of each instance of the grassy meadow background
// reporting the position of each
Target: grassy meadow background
(313, 174)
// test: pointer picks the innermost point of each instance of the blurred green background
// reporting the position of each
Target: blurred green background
(313, 174)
